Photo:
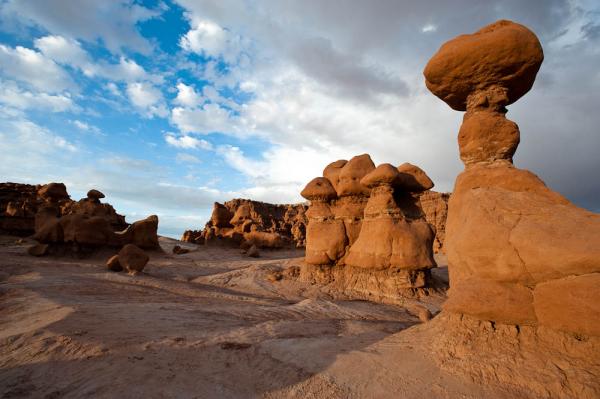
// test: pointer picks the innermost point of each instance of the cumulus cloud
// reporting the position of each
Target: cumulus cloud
(340, 89)
(187, 142)
(147, 98)
(12, 95)
(209, 118)
(70, 53)
(187, 96)
(34, 69)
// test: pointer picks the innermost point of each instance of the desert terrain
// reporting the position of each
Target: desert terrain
(210, 323)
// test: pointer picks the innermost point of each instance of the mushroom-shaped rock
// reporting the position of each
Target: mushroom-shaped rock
(333, 170)
(413, 179)
(94, 195)
(132, 258)
(319, 188)
(504, 54)
(351, 174)
(384, 174)
(53, 192)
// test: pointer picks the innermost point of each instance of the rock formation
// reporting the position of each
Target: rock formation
(435, 207)
(19, 204)
(366, 233)
(518, 252)
(244, 223)
(47, 213)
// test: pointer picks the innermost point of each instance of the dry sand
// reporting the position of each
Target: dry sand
(208, 324)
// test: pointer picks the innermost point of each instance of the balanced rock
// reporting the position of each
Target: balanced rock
(518, 252)
(94, 195)
(504, 54)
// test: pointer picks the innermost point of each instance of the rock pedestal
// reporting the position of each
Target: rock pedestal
(518, 252)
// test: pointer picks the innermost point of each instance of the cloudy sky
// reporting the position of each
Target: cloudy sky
(168, 106)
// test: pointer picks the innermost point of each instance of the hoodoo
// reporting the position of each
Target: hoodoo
(518, 252)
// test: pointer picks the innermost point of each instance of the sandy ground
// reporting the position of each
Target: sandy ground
(208, 324)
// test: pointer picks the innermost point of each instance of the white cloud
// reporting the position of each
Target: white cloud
(187, 142)
(428, 28)
(147, 98)
(211, 40)
(34, 69)
(111, 22)
(13, 96)
(187, 96)
(209, 118)
(70, 53)
(86, 127)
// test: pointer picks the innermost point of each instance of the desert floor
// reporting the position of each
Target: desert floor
(208, 324)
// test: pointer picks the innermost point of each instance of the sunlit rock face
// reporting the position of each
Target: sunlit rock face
(518, 252)
(367, 234)
(243, 222)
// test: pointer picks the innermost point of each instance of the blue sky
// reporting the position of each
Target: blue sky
(167, 106)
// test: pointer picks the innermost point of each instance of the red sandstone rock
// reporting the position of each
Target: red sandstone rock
(518, 253)
(332, 172)
(413, 179)
(435, 208)
(113, 264)
(132, 258)
(351, 174)
(502, 54)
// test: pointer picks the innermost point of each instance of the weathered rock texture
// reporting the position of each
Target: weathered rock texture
(19, 204)
(50, 216)
(242, 222)
(367, 234)
(435, 207)
(518, 252)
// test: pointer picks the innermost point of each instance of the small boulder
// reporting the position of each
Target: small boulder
(132, 258)
(253, 252)
(38, 250)
(113, 264)
(178, 250)
(94, 195)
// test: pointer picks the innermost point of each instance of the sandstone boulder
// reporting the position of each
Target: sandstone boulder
(412, 179)
(94, 195)
(518, 252)
(351, 174)
(132, 258)
(503, 54)
(113, 264)
(332, 172)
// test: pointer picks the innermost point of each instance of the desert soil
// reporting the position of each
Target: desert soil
(208, 324)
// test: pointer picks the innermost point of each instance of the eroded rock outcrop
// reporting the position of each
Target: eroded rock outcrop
(518, 252)
(244, 223)
(367, 235)
(62, 224)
